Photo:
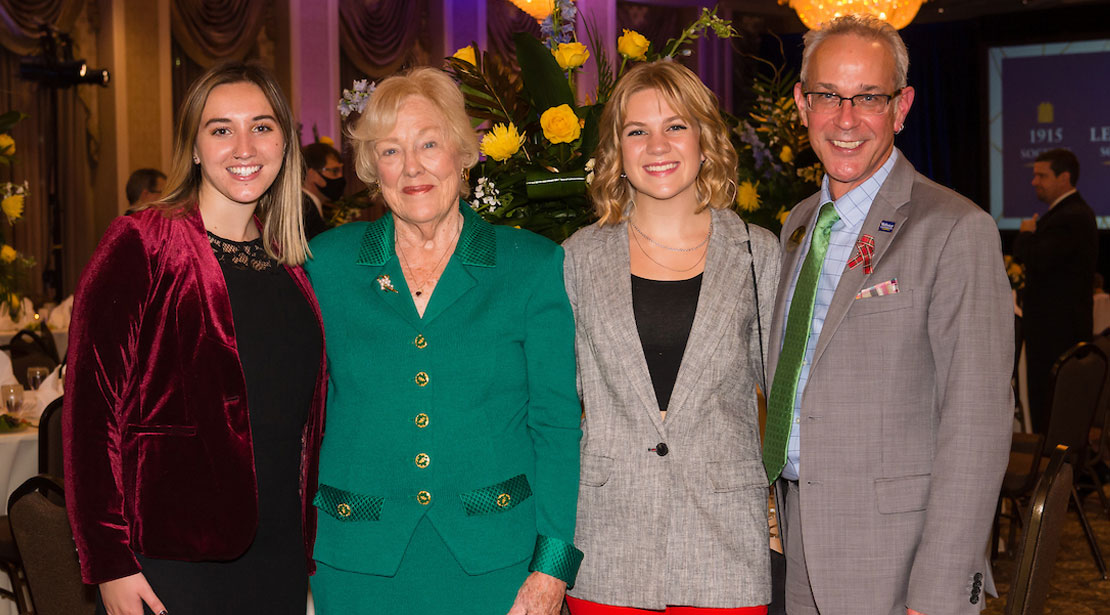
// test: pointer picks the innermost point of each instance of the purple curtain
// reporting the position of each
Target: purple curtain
(210, 31)
(503, 20)
(379, 37)
(20, 19)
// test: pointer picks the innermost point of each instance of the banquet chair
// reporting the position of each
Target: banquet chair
(12, 565)
(50, 440)
(1100, 436)
(31, 349)
(45, 540)
(1036, 556)
(1078, 379)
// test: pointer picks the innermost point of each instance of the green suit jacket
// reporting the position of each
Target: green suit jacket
(468, 416)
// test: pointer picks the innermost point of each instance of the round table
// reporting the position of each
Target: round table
(19, 460)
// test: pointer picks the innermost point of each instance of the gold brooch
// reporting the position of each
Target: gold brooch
(386, 284)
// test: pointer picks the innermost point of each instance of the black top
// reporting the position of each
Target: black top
(313, 222)
(664, 311)
(279, 346)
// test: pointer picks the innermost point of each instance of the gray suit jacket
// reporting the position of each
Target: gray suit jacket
(906, 416)
(690, 527)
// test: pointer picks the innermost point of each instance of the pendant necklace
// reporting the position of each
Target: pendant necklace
(419, 290)
(659, 245)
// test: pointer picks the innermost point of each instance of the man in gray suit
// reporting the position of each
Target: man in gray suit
(890, 407)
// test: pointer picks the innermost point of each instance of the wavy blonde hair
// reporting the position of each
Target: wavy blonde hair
(280, 207)
(687, 96)
(380, 116)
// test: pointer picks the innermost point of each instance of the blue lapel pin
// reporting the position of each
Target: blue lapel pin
(886, 226)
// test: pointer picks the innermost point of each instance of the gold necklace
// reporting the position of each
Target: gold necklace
(696, 263)
(659, 245)
(419, 291)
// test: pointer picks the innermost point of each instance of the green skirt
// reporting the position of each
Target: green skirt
(428, 581)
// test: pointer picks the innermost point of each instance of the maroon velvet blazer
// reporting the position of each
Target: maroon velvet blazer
(158, 454)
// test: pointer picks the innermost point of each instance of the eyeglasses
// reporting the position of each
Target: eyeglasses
(867, 104)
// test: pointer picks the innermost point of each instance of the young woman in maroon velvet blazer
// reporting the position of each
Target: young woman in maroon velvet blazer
(195, 388)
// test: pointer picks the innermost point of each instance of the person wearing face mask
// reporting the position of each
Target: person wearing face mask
(323, 183)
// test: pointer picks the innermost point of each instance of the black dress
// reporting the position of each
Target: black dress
(279, 347)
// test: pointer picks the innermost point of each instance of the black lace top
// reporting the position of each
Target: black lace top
(243, 255)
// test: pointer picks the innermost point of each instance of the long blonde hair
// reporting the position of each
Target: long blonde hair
(281, 206)
(686, 95)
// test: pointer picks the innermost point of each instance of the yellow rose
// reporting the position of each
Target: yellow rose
(560, 124)
(783, 214)
(570, 55)
(787, 154)
(13, 207)
(7, 145)
(747, 196)
(466, 54)
(501, 142)
(632, 45)
(7, 253)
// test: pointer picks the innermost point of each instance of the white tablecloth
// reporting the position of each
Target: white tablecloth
(19, 460)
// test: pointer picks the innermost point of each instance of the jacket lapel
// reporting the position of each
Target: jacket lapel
(727, 257)
(609, 268)
(384, 280)
(887, 207)
(477, 247)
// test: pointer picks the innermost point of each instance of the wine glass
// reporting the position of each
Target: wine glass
(35, 376)
(12, 394)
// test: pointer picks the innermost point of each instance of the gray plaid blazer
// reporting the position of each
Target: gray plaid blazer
(906, 416)
(688, 527)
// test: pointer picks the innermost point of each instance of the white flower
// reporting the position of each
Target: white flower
(356, 99)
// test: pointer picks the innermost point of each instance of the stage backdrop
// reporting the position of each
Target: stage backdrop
(1042, 97)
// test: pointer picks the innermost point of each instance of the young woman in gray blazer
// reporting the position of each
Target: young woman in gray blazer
(672, 507)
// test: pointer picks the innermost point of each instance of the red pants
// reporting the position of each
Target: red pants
(585, 607)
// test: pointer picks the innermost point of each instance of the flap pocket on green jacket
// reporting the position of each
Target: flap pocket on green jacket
(497, 498)
(737, 474)
(347, 505)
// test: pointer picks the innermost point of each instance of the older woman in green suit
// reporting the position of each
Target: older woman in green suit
(449, 469)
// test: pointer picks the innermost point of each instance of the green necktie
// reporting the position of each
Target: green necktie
(780, 402)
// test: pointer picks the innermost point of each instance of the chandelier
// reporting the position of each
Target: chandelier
(813, 13)
(538, 9)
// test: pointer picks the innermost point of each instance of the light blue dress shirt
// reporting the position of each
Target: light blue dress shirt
(852, 209)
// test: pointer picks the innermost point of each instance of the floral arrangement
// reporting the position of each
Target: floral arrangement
(539, 140)
(13, 265)
(777, 165)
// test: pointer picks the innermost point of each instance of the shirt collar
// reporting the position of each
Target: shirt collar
(477, 243)
(853, 206)
(1062, 197)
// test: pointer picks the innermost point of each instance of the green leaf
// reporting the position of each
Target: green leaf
(9, 119)
(544, 82)
(606, 80)
(590, 134)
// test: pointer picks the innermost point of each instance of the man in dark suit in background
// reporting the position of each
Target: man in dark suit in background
(1059, 251)
(323, 183)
